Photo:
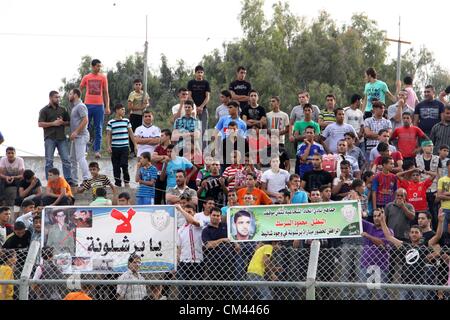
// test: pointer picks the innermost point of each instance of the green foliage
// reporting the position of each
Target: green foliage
(282, 55)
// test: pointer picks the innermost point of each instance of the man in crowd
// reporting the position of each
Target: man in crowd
(186, 129)
(97, 101)
(240, 88)
(306, 150)
(408, 138)
(335, 131)
(11, 174)
(374, 89)
(79, 136)
(278, 121)
(222, 110)
(147, 135)
(328, 116)
(53, 118)
(300, 126)
(428, 112)
(297, 113)
(138, 101)
(317, 177)
(440, 133)
(374, 124)
(254, 115)
(199, 92)
(354, 116)
(178, 109)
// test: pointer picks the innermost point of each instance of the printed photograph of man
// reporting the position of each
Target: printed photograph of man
(243, 225)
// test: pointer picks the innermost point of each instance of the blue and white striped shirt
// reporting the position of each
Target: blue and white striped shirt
(119, 132)
(147, 174)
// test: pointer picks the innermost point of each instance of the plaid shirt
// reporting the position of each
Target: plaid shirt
(241, 175)
(375, 125)
(131, 291)
(185, 124)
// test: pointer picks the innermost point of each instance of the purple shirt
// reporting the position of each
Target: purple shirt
(372, 254)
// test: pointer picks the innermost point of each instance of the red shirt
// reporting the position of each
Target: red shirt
(396, 156)
(407, 140)
(95, 85)
(416, 193)
(161, 151)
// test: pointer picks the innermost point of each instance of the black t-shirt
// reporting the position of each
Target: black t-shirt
(228, 146)
(284, 156)
(14, 242)
(253, 113)
(214, 190)
(316, 179)
(25, 184)
(429, 114)
(198, 89)
(415, 259)
(430, 234)
(241, 88)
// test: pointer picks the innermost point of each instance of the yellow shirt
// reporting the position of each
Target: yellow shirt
(444, 185)
(6, 290)
(257, 263)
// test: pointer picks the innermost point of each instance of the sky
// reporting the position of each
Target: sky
(43, 41)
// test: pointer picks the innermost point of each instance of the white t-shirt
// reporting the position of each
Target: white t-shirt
(147, 132)
(221, 111)
(375, 154)
(275, 181)
(278, 120)
(14, 168)
(2, 235)
(355, 118)
(203, 219)
(334, 132)
(191, 250)
(183, 113)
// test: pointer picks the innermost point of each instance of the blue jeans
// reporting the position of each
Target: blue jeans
(63, 150)
(263, 292)
(144, 200)
(446, 217)
(96, 112)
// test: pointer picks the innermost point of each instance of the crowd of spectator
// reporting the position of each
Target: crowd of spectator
(393, 159)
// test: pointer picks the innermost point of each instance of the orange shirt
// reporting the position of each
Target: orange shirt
(56, 185)
(95, 85)
(260, 196)
(77, 296)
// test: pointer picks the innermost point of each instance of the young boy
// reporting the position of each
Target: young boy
(384, 184)
(443, 156)
(101, 199)
(28, 213)
(58, 191)
(146, 176)
(118, 138)
(98, 180)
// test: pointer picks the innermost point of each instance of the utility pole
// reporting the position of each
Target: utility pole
(399, 52)
(145, 61)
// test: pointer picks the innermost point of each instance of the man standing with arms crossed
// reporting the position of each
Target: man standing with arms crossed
(53, 118)
(79, 135)
(138, 100)
(97, 100)
(199, 92)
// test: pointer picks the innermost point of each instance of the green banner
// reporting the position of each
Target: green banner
(341, 219)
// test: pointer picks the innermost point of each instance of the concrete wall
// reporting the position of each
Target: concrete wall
(37, 164)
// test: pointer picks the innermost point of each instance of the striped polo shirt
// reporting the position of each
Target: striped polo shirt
(147, 174)
(119, 132)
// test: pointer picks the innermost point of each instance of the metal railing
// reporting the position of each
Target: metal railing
(305, 273)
